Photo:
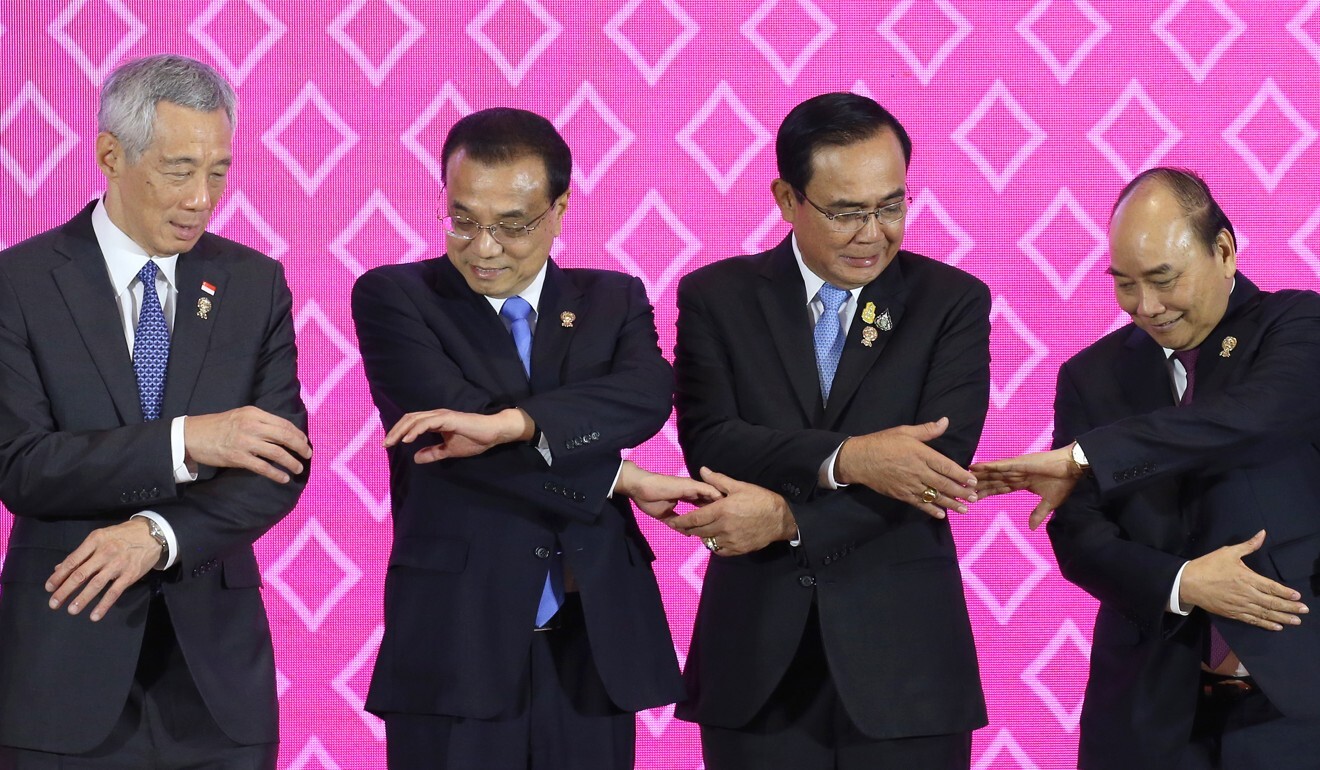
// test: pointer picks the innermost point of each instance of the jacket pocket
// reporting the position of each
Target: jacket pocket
(438, 554)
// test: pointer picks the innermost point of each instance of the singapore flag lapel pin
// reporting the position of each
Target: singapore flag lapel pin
(204, 304)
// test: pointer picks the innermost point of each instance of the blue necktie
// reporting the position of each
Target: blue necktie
(515, 310)
(151, 345)
(829, 335)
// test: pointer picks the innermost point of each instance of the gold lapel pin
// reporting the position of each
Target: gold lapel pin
(566, 319)
(868, 335)
(203, 308)
(868, 313)
(1226, 347)
(884, 321)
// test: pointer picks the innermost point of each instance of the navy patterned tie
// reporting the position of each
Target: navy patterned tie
(829, 336)
(515, 310)
(151, 345)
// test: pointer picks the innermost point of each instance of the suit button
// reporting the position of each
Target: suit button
(123, 497)
(542, 552)
(155, 491)
(828, 559)
(595, 435)
(807, 581)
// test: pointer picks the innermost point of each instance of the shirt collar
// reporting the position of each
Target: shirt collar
(532, 293)
(811, 281)
(123, 256)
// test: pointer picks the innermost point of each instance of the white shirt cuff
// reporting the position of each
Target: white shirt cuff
(171, 544)
(615, 484)
(1174, 605)
(182, 474)
(826, 474)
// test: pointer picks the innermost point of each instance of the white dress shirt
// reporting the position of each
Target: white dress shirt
(124, 258)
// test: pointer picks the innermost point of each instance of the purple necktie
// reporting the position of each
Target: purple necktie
(1218, 651)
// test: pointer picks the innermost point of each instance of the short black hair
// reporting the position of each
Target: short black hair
(830, 120)
(506, 134)
(1192, 194)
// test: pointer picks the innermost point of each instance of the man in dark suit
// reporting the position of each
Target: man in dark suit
(836, 383)
(523, 623)
(1186, 474)
(151, 430)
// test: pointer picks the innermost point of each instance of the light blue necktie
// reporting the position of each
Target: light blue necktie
(151, 345)
(829, 335)
(515, 310)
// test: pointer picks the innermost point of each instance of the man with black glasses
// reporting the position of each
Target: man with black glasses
(523, 623)
(833, 388)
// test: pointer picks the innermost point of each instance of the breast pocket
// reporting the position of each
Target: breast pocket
(436, 554)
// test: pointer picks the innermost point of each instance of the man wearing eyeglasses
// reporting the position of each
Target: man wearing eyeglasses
(833, 387)
(523, 623)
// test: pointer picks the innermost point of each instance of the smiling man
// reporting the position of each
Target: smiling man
(1186, 476)
(833, 387)
(523, 624)
(151, 429)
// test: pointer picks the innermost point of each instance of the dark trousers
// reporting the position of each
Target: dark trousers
(1238, 728)
(566, 720)
(165, 724)
(804, 726)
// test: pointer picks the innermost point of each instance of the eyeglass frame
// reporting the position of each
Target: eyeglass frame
(526, 229)
(833, 216)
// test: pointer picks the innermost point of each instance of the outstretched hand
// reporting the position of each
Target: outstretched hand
(1221, 583)
(1051, 476)
(657, 494)
(897, 463)
(462, 434)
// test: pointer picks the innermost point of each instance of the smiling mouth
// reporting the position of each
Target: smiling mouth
(1166, 325)
(487, 272)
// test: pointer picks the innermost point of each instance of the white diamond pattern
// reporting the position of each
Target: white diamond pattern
(350, 574)
(514, 73)
(1171, 135)
(1068, 636)
(96, 71)
(1199, 69)
(686, 138)
(653, 203)
(1306, 134)
(1063, 70)
(1001, 310)
(376, 72)
(377, 204)
(999, 95)
(238, 71)
(31, 181)
(310, 179)
(623, 137)
(925, 71)
(651, 73)
(1033, 567)
(1064, 285)
(348, 353)
(788, 70)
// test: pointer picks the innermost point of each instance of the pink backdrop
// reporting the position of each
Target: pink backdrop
(1027, 118)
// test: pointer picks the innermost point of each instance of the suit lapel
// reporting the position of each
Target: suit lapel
(85, 284)
(192, 333)
(559, 296)
(783, 302)
(472, 314)
(1212, 367)
(1144, 374)
(887, 293)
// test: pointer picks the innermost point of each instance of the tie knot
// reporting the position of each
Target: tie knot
(516, 308)
(1187, 358)
(147, 275)
(832, 297)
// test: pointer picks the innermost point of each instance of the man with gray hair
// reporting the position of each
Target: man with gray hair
(151, 430)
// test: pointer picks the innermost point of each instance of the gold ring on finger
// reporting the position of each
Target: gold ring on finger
(712, 544)
(929, 495)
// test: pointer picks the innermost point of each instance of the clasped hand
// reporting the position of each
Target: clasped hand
(897, 463)
(1051, 476)
(462, 434)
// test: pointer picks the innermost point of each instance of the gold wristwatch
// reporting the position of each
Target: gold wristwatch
(1078, 459)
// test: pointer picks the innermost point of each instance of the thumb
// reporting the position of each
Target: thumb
(1252, 545)
(929, 431)
(718, 480)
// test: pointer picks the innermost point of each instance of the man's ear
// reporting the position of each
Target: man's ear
(786, 198)
(110, 155)
(1225, 250)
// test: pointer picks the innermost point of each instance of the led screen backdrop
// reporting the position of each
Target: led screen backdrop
(1027, 119)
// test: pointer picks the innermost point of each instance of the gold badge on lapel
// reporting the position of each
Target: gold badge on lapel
(868, 313)
(566, 319)
(868, 335)
(204, 308)
(884, 321)
(1226, 347)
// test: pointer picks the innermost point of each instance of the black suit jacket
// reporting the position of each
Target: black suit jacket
(883, 575)
(1173, 483)
(75, 456)
(471, 535)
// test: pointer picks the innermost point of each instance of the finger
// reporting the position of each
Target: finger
(67, 569)
(715, 530)
(950, 470)
(280, 431)
(699, 518)
(931, 510)
(430, 454)
(261, 468)
(1278, 596)
(111, 596)
(1249, 546)
(948, 502)
(277, 456)
(725, 484)
(1040, 513)
(95, 585)
(76, 579)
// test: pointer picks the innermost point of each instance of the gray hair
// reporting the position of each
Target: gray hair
(130, 95)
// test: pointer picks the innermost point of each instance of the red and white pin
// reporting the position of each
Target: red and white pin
(208, 287)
